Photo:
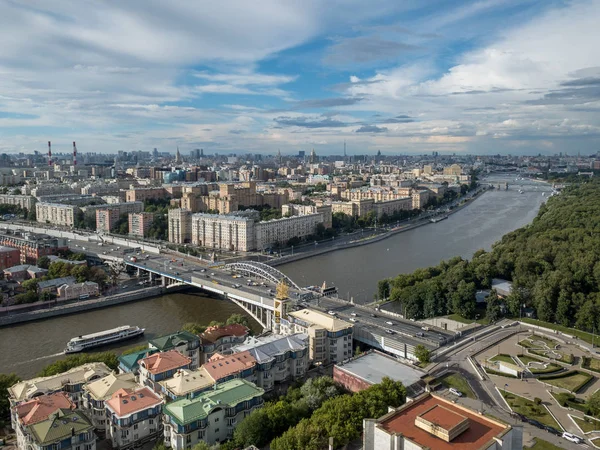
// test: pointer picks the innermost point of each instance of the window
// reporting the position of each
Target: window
(151, 421)
(216, 419)
(216, 431)
(135, 427)
(188, 439)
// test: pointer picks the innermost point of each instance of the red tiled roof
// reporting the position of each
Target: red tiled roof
(40, 408)
(220, 366)
(128, 401)
(163, 361)
(481, 429)
(212, 334)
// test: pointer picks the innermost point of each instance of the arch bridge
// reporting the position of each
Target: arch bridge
(261, 270)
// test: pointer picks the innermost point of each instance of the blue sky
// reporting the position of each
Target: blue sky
(416, 76)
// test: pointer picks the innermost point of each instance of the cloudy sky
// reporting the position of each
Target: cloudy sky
(410, 76)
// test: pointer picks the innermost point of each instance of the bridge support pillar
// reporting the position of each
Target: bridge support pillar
(163, 281)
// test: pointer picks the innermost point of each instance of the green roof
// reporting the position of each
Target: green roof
(170, 341)
(59, 426)
(227, 394)
(131, 360)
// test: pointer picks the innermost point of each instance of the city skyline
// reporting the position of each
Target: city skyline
(478, 77)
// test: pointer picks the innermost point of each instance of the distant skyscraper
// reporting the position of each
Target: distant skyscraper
(313, 157)
(301, 154)
(177, 156)
(155, 153)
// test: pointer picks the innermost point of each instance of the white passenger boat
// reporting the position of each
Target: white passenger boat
(88, 341)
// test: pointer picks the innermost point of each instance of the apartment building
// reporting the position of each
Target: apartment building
(148, 193)
(33, 246)
(9, 257)
(96, 393)
(106, 219)
(282, 230)
(221, 339)
(212, 416)
(187, 383)
(432, 422)
(134, 417)
(180, 226)
(139, 223)
(64, 429)
(36, 410)
(330, 338)
(160, 366)
(238, 365)
(56, 213)
(71, 382)
(278, 358)
(24, 201)
(420, 198)
(326, 210)
(78, 290)
(184, 342)
(227, 232)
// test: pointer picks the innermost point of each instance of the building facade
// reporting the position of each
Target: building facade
(226, 232)
(330, 338)
(184, 342)
(106, 219)
(282, 230)
(24, 201)
(139, 223)
(212, 416)
(221, 339)
(9, 257)
(160, 366)
(56, 213)
(78, 290)
(180, 226)
(134, 417)
(63, 430)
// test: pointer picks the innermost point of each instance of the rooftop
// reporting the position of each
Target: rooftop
(437, 410)
(227, 394)
(320, 319)
(161, 362)
(188, 381)
(59, 426)
(170, 341)
(372, 367)
(220, 366)
(77, 375)
(131, 360)
(268, 347)
(56, 282)
(40, 408)
(104, 388)
(128, 401)
(212, 334)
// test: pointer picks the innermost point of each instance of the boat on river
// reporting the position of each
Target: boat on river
(438, 219)
(88, 341)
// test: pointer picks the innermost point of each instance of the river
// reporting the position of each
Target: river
(27, 348)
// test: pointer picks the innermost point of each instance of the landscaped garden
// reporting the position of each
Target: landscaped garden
(530, 408)
(538, 366)
(587, 424)
(543, 445)
(596, 442)
(568, 400)
(458, 382)
(591, 364)
(572, 381)
(504, 358)
(551, 343)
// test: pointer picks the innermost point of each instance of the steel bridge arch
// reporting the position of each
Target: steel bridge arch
(261, 270)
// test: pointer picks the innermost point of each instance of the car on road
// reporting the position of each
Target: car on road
(202, 270)
(373, 315)
(420, 334)
(352, 319)
(353, 314)
(332, 313)
(455, 392)
(425, 328)
(389, 322)
(572, 437)
(388, 331)
(212, 274)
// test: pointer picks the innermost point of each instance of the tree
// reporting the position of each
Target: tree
(194, 328)
(62, 365)
(422, 354)
(492, 310)
(6, 381)
(594, 403)
(238, 319)
(43, 262)
(30, 285)
(383, 289)
(202, 446)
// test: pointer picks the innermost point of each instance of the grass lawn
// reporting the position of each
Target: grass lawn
(526, 407)
(573, 381)
(583, 335)
(543, 445)
(587, 425)
(526, 343)
(596, 442)
(503, 357)
(569, 400)
(459, 318)
(549, 342)
(458, 382)
(591, 364)
(525, 359)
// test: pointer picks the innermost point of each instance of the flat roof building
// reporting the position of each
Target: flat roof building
(432, 422)
(370, 368)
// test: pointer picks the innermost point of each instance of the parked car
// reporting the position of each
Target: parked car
(455, 392)
(352, 319)
(572, 437)
(389, 322)
(332, 313)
